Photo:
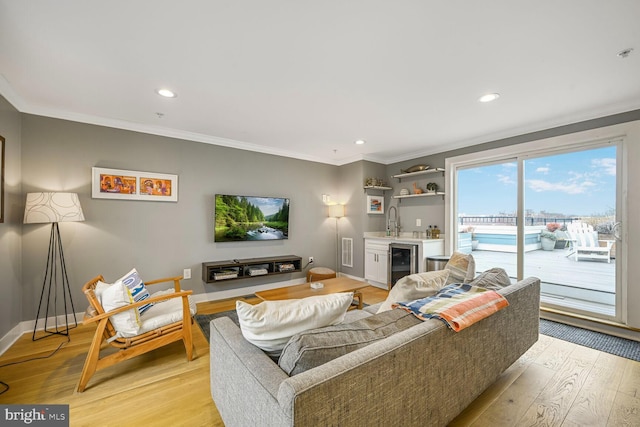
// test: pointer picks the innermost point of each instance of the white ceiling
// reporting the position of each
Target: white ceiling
(305, 79)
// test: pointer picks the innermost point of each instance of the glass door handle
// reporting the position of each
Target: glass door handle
(616, 230)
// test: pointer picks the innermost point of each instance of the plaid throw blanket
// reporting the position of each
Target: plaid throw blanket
(458, 305)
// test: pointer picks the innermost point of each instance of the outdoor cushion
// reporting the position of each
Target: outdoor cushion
(270, 324)
(309, 349)
(415, 286)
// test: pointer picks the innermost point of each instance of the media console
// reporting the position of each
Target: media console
(218, 271)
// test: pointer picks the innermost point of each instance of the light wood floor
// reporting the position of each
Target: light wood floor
(554, 384)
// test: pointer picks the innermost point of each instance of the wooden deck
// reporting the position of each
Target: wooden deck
(583, 285)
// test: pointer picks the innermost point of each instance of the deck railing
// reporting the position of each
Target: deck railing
(511, 220)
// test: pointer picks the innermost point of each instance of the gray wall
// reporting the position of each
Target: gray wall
(11, 229)
(161, 239)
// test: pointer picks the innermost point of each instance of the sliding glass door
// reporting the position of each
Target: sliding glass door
(487, 213)
(571, 198)
(551, 213)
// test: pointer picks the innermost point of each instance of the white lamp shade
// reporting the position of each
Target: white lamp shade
(336, 211)
(52, 207)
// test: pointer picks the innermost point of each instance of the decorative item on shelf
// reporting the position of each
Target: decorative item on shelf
(225, 274)
(416, 189)
(257, 271)
(286, 267)
(404, 192)
(415, 168)
(432, 187)
(435, 233)
(54, 208)
(374, 182)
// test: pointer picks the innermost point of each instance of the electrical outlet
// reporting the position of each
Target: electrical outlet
(186, 273)
(418, 222)
(310, 260)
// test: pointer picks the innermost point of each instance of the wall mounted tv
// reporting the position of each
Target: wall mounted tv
(247, 218)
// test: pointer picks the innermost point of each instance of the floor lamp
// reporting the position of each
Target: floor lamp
(337, 211)
(54, 208)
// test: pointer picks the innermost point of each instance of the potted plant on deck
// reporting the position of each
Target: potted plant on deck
(548, 240)
(561, 236)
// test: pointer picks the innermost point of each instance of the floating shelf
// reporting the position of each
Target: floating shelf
(219, 271)
(408, 196)
(424, 172)
(377, 187)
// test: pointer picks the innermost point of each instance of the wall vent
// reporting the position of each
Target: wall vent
(347, 252)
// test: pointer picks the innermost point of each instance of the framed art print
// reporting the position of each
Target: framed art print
(133, 185)
(375, 205)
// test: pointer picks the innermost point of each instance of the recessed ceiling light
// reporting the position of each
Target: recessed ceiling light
(625, 53)
(360, 142)
(166, 93)
(489, 97)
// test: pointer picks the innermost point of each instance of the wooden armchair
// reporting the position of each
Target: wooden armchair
(136, 345)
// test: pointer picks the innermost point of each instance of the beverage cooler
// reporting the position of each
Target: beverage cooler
(403, 260)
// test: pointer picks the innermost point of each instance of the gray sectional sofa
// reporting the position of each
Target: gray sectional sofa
(424, 375)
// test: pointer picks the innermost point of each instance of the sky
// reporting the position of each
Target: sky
(581, 183)
(268, 205)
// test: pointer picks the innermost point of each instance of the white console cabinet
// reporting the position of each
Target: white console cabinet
(375, 262)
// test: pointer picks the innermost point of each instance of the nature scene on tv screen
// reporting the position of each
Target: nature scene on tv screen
(240, 218)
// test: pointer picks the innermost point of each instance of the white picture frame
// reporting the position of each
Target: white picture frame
(122, 184)
(375, 205)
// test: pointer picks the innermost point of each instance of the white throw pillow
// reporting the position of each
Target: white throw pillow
(127, 323)
(462, 268)
(415, 286)
(136, 287)
(270, 324)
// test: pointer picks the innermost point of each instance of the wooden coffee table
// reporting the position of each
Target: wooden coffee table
(331, 286)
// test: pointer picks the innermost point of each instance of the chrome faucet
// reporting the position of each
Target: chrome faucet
(396, 222)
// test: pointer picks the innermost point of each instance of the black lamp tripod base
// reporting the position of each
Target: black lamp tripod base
(51, 288)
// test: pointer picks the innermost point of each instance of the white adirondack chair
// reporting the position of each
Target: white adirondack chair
(585, 242)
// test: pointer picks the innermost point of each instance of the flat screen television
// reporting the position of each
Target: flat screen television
(248, 218)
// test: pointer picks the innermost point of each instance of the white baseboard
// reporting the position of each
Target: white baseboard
(27, 326)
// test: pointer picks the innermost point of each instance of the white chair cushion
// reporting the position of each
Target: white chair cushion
(270, 324)
(164, 313)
